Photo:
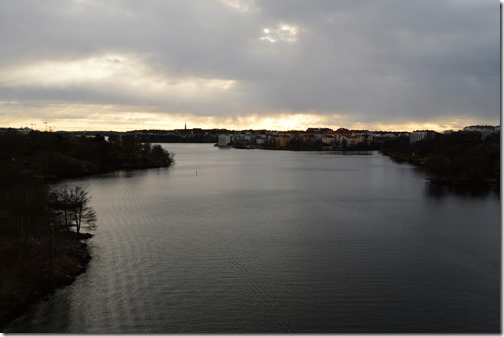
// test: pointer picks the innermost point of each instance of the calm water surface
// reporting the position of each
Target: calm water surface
(277, 241)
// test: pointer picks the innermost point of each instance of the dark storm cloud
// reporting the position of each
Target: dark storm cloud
(385, 61)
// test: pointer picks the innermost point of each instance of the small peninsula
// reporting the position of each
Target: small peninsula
(40, 248)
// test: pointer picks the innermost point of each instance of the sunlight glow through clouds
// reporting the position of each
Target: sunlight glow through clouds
(104, 117)
(244, 64)
(120, 71)
(54, 73)
(282, 32)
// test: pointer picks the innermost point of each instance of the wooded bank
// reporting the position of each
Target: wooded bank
(41, 244)
(461, 158)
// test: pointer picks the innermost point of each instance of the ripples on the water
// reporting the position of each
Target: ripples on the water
(266, 241)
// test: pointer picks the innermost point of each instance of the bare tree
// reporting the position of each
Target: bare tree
(73, 210)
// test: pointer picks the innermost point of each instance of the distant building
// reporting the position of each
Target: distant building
(485, 130)
(328, 139)
(417, 136)
(261, 139)
(480, 128)
(243, 138)
(355, 139)
(279, 141)
(318, 130)
(223, 140)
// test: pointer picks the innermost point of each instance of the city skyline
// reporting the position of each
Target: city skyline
(245, 64)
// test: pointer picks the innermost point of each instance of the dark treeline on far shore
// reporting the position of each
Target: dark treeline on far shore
(40, 227)
(462, 158)
(56, 155)
(196, 135)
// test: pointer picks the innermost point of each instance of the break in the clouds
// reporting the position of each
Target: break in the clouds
(124, 64)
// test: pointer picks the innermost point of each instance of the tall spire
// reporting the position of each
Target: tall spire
(185, 125)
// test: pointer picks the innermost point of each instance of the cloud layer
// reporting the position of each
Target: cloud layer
(246, 63)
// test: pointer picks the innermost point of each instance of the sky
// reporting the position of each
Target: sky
(249, 64)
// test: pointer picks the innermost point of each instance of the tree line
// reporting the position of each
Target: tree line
(40, 233)
(458, 158)
(41, 227)
(53, 155)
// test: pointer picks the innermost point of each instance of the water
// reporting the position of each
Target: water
(276, 241)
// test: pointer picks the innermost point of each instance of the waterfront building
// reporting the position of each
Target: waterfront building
(328, 139)
(261, 139)
(224, 140)
(279, 141)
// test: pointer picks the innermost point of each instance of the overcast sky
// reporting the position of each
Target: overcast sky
(237, 64)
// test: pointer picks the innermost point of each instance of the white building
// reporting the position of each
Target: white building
(224, 140)
(417, 136)
(480, 128)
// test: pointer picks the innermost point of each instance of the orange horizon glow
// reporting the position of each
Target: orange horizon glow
(82, 117)
(268, 123)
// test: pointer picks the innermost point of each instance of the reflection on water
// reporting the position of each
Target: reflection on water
(471, 192)
(276, 241)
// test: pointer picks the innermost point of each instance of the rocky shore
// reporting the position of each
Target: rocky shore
(27, 277)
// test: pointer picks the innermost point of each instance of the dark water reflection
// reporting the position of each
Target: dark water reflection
(442, 191)
(267, 241)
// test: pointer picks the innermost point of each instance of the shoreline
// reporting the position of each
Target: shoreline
(37, 252)
(445, 179)
(35, 281)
